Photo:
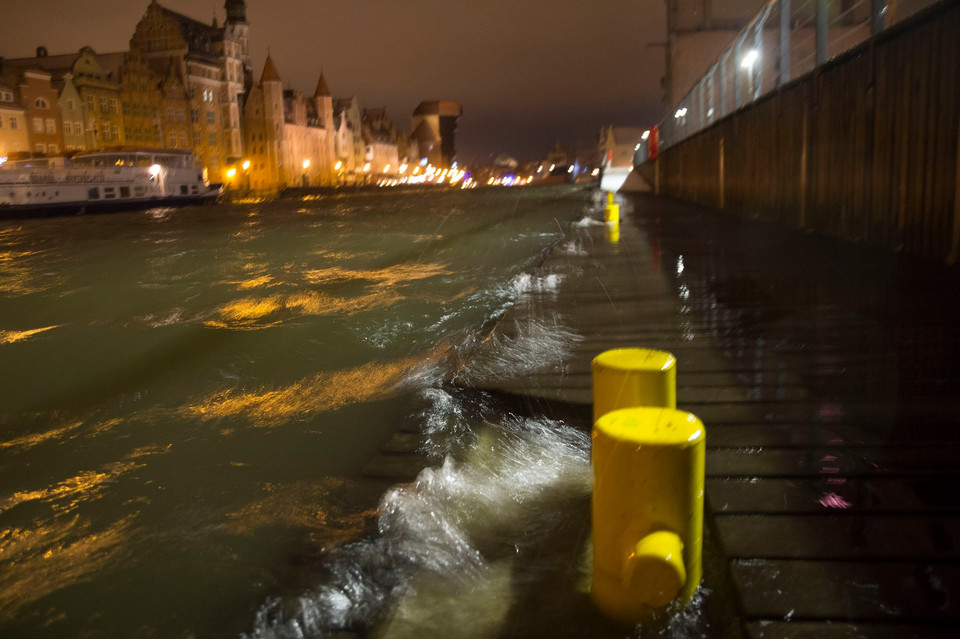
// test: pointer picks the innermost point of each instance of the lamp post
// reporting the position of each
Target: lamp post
(246, 173)
(306, 165)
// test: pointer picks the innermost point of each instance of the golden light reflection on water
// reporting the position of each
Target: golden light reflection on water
(310, 505)
(8, 337)
(253, 313)
(53, 554)
(19, 276)
(64, 549)
(85, 486)
(25, 442)
(322, 392)
(384, 277)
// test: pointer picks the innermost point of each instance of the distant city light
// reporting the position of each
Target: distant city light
(646, 135)
(595, 172)
(3, 159)
(682, 111)
(750, 58)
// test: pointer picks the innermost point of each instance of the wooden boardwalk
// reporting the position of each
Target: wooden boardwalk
(826, 376)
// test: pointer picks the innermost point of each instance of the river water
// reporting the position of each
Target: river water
(188, 398)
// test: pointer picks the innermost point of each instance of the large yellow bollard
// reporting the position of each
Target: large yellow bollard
(611, 212)
(648, 466)
(625, 377)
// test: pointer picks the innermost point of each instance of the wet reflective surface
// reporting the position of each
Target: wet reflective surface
(187, 399)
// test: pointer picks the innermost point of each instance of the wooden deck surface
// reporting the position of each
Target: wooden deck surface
(824, 378)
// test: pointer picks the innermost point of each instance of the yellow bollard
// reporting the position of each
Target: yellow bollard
(625, 377)
(648, 466)
(611, 212)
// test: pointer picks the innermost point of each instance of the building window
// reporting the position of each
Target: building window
(103, 105)
(180, 115)
(71, 105)
(195, 116)
(213, 139)
(41, 148)
(210, 118)
(6, 96)
(13, 123)
(38, 125)
(51, 126)
(173, 140)
(183, 140)
(78, 128)
(53, 148)
(90, 104)
(40, 103)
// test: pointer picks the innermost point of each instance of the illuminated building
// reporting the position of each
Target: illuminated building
(350, 149)
(434, 124)
(380, 144)
(87, 77)
(13, 122)
(201, 70)
(289, 137)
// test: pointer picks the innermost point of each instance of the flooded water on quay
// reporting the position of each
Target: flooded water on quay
(187, 399)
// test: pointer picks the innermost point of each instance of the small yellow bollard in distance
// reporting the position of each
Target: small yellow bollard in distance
(648, 466)
(625, 377)
(611, 212)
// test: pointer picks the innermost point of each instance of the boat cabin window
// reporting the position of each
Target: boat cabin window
(93, 193)
(124, 191)
(109, 193)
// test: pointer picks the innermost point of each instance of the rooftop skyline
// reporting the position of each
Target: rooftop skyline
(527, 74)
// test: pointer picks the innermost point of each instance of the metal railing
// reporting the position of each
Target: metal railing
(786, 39)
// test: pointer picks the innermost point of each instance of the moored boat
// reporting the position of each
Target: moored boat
(103, 181)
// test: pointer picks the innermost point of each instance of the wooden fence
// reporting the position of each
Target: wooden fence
(864, 148)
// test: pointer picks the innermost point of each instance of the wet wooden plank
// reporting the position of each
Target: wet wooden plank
(848, 590)
(851, 536)
(927, 494)
(832, 630)
(841, 462)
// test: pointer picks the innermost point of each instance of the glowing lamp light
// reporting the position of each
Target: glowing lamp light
(682, 111)
(386, 169)
(749, 59)
(306, 164)
(246, 165)
(231, 173)
(366, 167)
(646, 135)
(338, 165)
(154, 170)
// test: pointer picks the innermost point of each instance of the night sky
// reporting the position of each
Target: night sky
(527, 72)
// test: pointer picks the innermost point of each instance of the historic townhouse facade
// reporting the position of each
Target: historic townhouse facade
(201, 71)
(13, 121)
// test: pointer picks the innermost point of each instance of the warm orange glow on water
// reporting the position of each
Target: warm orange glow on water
(322, 392)
(8, 337)
(383, 277)
(54, 554)
(18, 276)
